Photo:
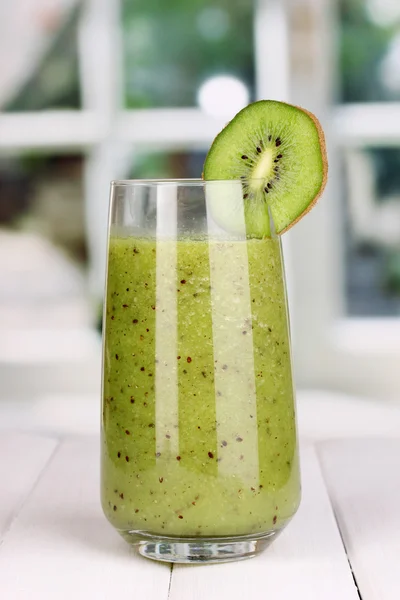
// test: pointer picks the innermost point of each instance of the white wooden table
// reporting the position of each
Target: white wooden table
(56, 544)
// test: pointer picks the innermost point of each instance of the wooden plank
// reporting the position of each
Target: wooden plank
(306, 562)
(61, 546)
(325, 415)
(57, 415)
(363, 478)
(23, 457)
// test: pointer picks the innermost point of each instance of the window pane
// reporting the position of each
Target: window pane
(42, 243)
(369, 50)
(159, 165)
(53, 81)
(373, 232)
(171, 48)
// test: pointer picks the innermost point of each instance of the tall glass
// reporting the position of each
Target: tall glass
(199, 444)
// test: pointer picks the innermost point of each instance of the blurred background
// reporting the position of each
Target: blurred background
(94, 90)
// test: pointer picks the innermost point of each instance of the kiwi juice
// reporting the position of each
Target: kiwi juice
(199, 434)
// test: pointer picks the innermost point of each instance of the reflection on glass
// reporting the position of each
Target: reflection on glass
(199, 435)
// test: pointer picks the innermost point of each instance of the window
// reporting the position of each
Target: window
(144, 100)
(344, 256)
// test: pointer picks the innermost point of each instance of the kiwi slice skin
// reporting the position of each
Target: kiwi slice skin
(278, 152)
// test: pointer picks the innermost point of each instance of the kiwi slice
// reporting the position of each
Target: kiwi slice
(278, 152)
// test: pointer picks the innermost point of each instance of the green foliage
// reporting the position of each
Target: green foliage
(363, 45)
(171, 47)
(391, 275)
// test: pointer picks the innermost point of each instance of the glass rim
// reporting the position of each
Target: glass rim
(179, 181)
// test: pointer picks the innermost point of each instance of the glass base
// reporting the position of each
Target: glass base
(199, 550)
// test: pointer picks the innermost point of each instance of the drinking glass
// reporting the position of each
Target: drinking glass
(199, 443)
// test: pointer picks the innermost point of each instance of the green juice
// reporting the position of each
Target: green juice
(198, 434)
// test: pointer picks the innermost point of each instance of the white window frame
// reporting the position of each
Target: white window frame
(358, 355)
